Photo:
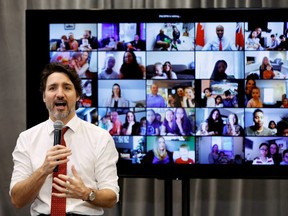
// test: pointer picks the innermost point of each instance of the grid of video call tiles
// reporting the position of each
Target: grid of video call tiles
(184, 95)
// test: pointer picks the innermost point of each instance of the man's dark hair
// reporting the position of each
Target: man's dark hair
(59, 68)
(255, 111)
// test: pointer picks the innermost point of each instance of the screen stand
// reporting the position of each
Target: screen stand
(185, 197)
(168, 193)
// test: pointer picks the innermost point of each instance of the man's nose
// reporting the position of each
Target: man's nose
(60, 92)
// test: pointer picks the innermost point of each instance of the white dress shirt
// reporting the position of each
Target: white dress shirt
(93, 154)
(214, 44)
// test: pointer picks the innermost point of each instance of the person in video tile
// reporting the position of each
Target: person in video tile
(159, 154)
(258, 128)
(73, 44)
(137, 44)
(153, 125)
(86, 99)
(167, 68)
(131, 126)
(163, 41)
(255, 101)
(130, 69)
(184, 155)
(220, 42)
(272, 127)
(214, 155)
(154, 99)
(232, 128)
(181, 123)
(250, 83)
(215, 123)
(282, 126)
(117, 124)
(285, 158)
(167, 125)
(219, 70)
(189, 97)
(116, 99)
(263, 159)
(109, 72)
(273, 152)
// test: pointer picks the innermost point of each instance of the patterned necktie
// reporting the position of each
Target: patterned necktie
(58, 204)
(220, 45)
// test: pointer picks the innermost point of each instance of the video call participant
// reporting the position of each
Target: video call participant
(214, 155)
(263, 159)
(285, 158)
(130, 69)
(232, 128)
(208, 100)
(282, 126)
(250, 83)
(184, 155)
(179, 97)
(258, 128)
(73, 44)
(181, 123)
(215, 123)
(273, 152)
(154, 99)
(131, 126)
(218, 72)
(116, 99)
(163, 41)
(109, 72)
(35, 157)
(255, 101)
(159, 154)
(274, 43)
(87, 98)
(263, 67)
(93, 41)
(117, 124)
(283, 45)
(220, 42)
(138, 44)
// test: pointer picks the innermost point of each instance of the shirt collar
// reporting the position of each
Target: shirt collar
(73, 124)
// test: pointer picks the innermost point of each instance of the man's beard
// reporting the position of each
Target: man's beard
(59, 115)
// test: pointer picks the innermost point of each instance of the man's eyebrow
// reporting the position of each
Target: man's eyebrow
(57, 84)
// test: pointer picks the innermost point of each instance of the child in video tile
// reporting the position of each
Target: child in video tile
(184, 155)
(153, 126)
(268, 73)
(159, 154)
(263, 159)
(255, 101)
(208, 100)
(285, 158)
